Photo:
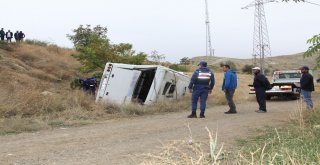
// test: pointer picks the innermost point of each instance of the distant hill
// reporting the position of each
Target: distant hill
(273, 63)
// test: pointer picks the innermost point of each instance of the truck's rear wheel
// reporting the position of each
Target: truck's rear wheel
(294, 97)
(268, 97)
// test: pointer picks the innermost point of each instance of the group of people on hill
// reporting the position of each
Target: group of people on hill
(203, 81)
(18, 36)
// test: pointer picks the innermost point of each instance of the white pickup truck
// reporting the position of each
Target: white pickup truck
(285, 83)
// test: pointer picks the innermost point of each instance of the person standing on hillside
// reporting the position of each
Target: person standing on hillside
(16, 36)
(260, 84)
(9, 36)
(21, 36)
(201, 84)
(2, 34)
(307, 86)
(229, 86)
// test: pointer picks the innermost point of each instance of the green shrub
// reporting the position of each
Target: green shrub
(247, 69)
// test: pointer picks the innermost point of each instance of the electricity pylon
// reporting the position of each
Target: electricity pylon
(209, 50)
(261, 44)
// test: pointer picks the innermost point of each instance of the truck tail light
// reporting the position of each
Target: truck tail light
(286, 88)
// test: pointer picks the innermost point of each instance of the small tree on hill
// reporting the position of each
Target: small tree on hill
(95, 49)
(185, 61)
(156, 57)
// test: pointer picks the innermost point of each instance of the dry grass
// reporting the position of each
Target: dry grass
(187, 152)
(297, 143)
(273, 63)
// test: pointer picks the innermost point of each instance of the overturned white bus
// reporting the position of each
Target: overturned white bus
(123, 83)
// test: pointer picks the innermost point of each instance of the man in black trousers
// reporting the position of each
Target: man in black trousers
(2, 34)
(260, 84)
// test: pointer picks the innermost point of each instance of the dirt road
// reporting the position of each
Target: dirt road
(119, 141)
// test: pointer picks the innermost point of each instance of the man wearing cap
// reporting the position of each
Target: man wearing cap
(306, 86)
(260, 83)
(201, 84)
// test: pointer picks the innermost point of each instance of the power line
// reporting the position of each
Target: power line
(312, 3)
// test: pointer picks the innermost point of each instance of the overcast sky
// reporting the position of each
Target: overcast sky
(175, 28)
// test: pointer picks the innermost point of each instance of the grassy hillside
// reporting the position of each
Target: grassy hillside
(35, 91)
(35, 88)
(273, 63)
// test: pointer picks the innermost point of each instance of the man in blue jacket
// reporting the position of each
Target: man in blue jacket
(201, 84)
(229, 86)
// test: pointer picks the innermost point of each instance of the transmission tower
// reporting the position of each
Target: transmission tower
(261, 44)
(209, 50)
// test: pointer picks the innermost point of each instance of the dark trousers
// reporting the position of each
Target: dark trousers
(261, 98)
(229, 96)
(2, 38)
(203, 94)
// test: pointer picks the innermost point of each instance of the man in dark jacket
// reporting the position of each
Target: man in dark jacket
(2, 34)
(16, 36)
(260, 84)
(201, 84)
(21, 36)
(229, 86)
(306, 86)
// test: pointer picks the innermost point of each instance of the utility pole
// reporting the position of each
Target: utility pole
(261, 44)
(209, 49)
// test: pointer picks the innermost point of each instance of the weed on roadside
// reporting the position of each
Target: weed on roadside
(296, 143)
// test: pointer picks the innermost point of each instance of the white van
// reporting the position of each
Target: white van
(123, 83)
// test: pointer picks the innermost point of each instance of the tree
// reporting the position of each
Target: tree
(314, 49)
(156, 57)
(95, 50)
(185, 61)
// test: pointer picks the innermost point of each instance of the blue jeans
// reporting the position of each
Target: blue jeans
(307, 98)
(203, 94)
